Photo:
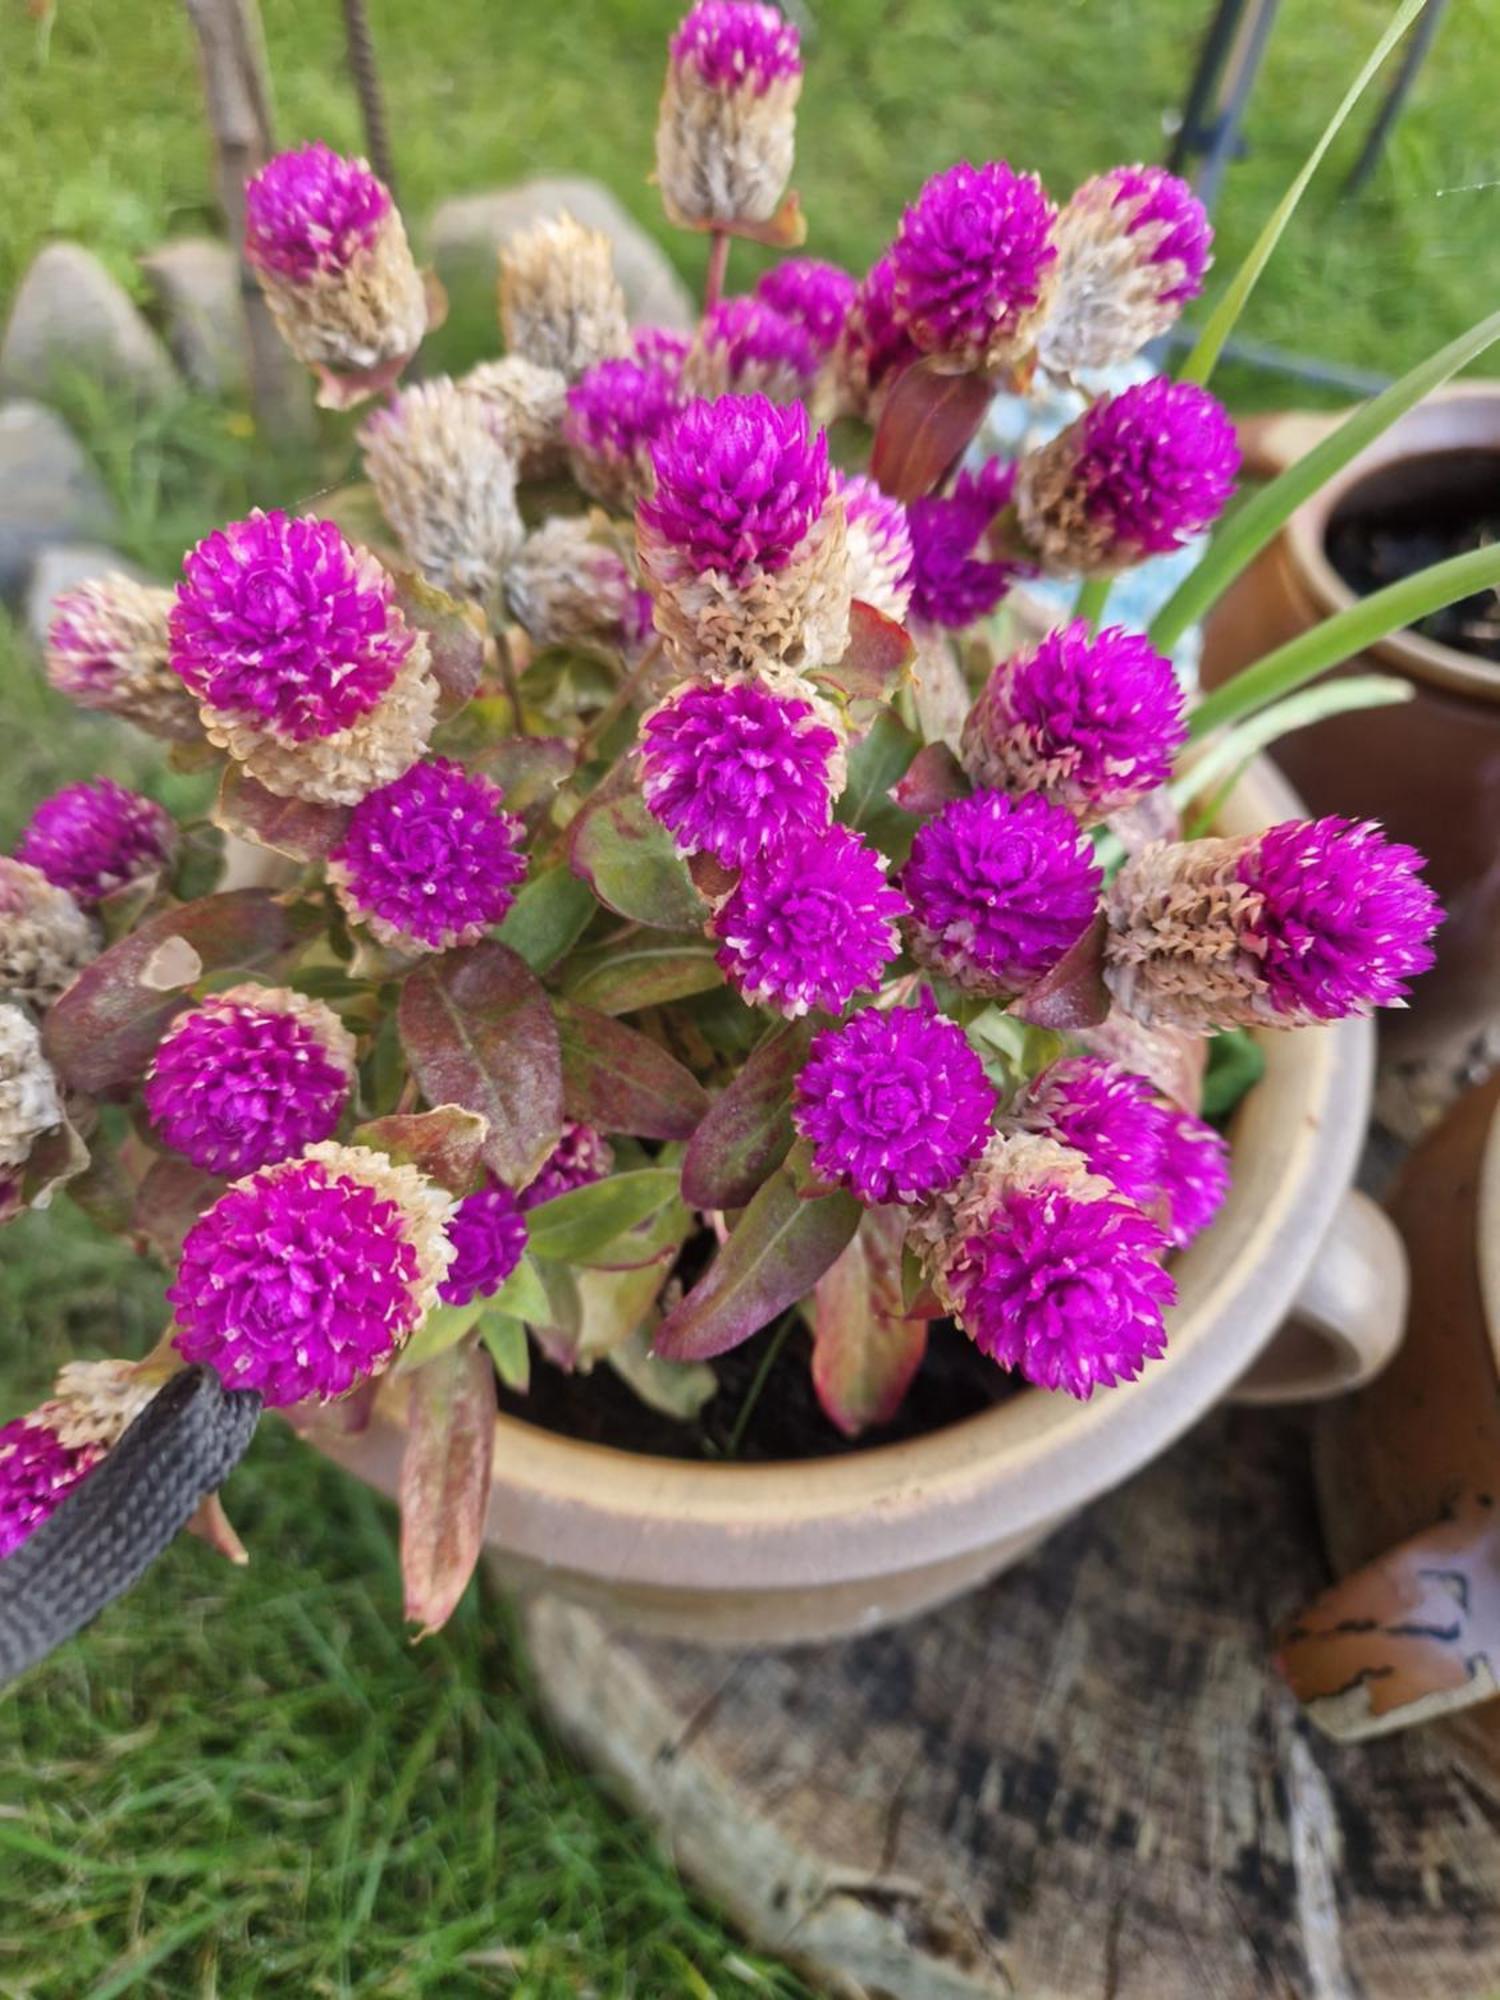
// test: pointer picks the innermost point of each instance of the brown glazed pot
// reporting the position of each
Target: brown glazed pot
(1428, 769)
(771, 1554)
(1409, 1473)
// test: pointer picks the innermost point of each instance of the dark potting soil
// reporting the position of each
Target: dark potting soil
(786, 1422)
(1416, 514)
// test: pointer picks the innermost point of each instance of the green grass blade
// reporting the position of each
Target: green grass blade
(1204, 357)
(1243, 537)
(1348, 632)
(1237, 746)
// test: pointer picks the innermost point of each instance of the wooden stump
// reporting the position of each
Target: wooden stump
(1083, 1782)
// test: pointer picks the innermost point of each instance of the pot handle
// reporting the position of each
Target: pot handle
(1348, 1319)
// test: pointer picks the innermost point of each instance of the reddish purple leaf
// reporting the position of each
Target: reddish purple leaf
(1073, 994)
(927, 424)
(478, 1031)
(934, 779)
(876, 658)
(528, 769)
(779, 1249)
(455, 638)
(866, 1348)
(103, 1031)
(290, 826)
(445, 1480)
(446, 1144)
(620, 1080)
(170, 1200)
(748, 1131)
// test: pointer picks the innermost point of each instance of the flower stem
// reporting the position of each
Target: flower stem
(619, 701)
(718, 263)
(508, 677)
(753, 1394)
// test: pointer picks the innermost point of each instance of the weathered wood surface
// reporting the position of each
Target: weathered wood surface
(1083, 1782)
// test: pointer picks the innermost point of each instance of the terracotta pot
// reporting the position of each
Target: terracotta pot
(777, 1553)
(1409, 1472)
(1429, 769)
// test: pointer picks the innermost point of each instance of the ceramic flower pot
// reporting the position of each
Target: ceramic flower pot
(775, 1553)
(1429, 769)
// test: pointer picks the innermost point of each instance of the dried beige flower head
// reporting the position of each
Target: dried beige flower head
(29, 1101)
(571, 585)
(528, 402)
(560, 302)
(107, 649)
(45, 939)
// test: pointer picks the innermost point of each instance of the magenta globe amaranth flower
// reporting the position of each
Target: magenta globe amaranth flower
(952, 584)
(875, 347)
(881, 558)
(311, 211)
(488, 1235)
(746, 347)
(661, 347)
(250, 1076)
(95, 837)
(1138, 474)
(810, 923)
(730, 767)
(580, 1157)
(726, 130)
(1132, 247)
(973, 265)
(107, 648)
(895, 1104)
(817, 295)
(37, 1473)
(308, 1277)
(1048, 1269)
(431, 860)
(1000, 889)
(1090, 722)
(1194, 1173)
(615, 413)
(1309, 921)
(1107, 1114)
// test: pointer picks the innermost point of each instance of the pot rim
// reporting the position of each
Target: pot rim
(1305, 531)
(642, 1521)
(1487, 1233)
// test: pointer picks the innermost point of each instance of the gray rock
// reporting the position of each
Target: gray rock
(195, 281)
(71, 317)
(467, 232)
(49, 491)
(59, 567)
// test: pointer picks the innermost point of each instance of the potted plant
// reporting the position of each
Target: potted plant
(698, 970)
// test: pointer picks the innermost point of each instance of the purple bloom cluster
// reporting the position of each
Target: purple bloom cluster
(432, 857)
(1344, 920)
(1154, 200)
(617, 410)
(298, 1283)
(810, 923)
(1092, 721)
(1156, 465)
(580, 1157)
(95, 837)
(740, 483)
(895, 1104)
(972, 260)
(881, 556)
(1194, 1174)
(661, 347)
(951, 584)
(729, 44)
(488, 1234)
(1000, 888)
(755, 344)
(234, 1086)
(876, 344)
(730, 767)
(311, 211)
(284, 623)
(37, 1472)
(816, 295)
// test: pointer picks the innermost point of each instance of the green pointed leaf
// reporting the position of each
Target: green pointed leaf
(505, 1340)
(551, 912)
(523, 1295)
(1234, 749)
(876, 762)
(572, 1227)
(641, 972)
(629, 861)
(674, 1388)
(443, 1328)
(622, 1081)
(748, 1130)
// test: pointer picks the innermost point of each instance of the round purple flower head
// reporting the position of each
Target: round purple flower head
(950, 584)
(1091, 722)
(739, 485)
(661, 347)
(745, 345)
(730, 767)
(729, 44)
(306, 1278)
(616, 411)
(283, 623)
(1053, 1273)
(431, 860)
(37, 1472)
(96, 837)
(1170, 222)
(875, 346)
(248, 1077)
(810, 923)
(1106, 1113)
(881, 557)
(488, 1235)
(973, 263)
(580, 1157)
(1343, 918)
(1133, 245)
(895, 1104)
(311, 211)
(817, 295)
(1000, 888)
(1194, 1173)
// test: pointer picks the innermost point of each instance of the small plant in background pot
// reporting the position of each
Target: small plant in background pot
(678, 913)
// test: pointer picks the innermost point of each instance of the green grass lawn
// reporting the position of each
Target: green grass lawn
(247, 1783)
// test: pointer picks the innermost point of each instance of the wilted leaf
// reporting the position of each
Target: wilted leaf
(478, 1031)
(785, 230)
(865, 1348)
(446, 1143)
(572, 1227)
(56, 1158)
(173, 965)
(876, 658)
(934, 779)
(628, 859)
(170, 1200)
(551, 912)
(622, 1081)
(102, 1033)
(929, 421)
(748, 1130)
(293, 827)
(455, 637)
(777, 1252)
(445, 1481)
(642, 972)
(212, 1525)
(1073, 994)
(675, 1388)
